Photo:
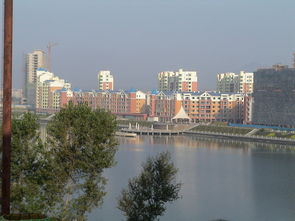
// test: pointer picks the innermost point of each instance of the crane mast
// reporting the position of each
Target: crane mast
(49, 49)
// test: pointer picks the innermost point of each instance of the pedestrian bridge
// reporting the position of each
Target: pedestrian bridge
(179, 129)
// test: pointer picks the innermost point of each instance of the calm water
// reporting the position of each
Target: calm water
(228, 180)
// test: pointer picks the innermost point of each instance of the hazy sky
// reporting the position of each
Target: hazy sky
(136, 39)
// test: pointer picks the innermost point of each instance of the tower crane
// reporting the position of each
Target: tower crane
(49, 48)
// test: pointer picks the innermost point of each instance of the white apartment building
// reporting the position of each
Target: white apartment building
(185, 81)
(235, 83)
(105, 80)
(47, 84)
(246, 82)
(34, 60)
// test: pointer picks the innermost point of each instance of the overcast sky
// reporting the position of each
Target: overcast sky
(136, 39)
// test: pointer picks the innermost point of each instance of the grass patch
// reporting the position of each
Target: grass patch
(274, 133)
(223, 129)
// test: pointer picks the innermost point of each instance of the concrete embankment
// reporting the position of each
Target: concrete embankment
(272, 140)
(147, 131)
(187, 130)
(122, 134)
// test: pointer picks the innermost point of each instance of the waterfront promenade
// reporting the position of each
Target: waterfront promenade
(187, 130)
(166, 131)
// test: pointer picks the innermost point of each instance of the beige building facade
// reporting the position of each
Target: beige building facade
(105, 80)
(184, 81)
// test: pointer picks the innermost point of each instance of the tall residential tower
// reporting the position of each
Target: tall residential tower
(235, 83)
(34, 60)
(227, 82)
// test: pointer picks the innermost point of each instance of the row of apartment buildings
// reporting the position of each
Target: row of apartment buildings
(36, 62)
(181, 80)
(187, 81)
(266, 97)
(53, 93)
(271, 103)
(48, 93)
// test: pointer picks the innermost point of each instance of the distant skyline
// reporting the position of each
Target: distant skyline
(136, 39)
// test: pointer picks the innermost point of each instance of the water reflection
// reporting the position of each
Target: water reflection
(211, 143)
(238, 181)
(221, 178)
(273, 181)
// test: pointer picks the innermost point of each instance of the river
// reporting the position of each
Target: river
(237, 181)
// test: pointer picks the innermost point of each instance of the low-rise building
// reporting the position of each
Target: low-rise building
(200, 106)
(118, 102)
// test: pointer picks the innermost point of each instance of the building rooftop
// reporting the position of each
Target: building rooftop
(132, 90)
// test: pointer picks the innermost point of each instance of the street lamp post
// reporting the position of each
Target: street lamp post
(7, 88)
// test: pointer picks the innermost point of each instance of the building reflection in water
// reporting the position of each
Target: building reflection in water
(209, 143)
(221, 178)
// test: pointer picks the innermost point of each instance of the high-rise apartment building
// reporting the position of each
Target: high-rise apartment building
(246, 82)
(185, 81)
(235, 83)
(227, 82)
(105, 80)
(274, 96)
(34, 60)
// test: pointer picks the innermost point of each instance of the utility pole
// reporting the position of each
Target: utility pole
(49, 47)
(6, 123)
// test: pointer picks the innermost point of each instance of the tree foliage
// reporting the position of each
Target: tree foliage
(83, 144)
(63, 176)
(146, 109)
(31, 170)
(146, 195)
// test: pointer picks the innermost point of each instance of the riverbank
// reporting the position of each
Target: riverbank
(214, 131)
(224, 136)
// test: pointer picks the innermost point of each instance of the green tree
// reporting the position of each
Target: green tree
(146, 109)
(146, 195)
(63, 177)
(31, 170)
(83, 144)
